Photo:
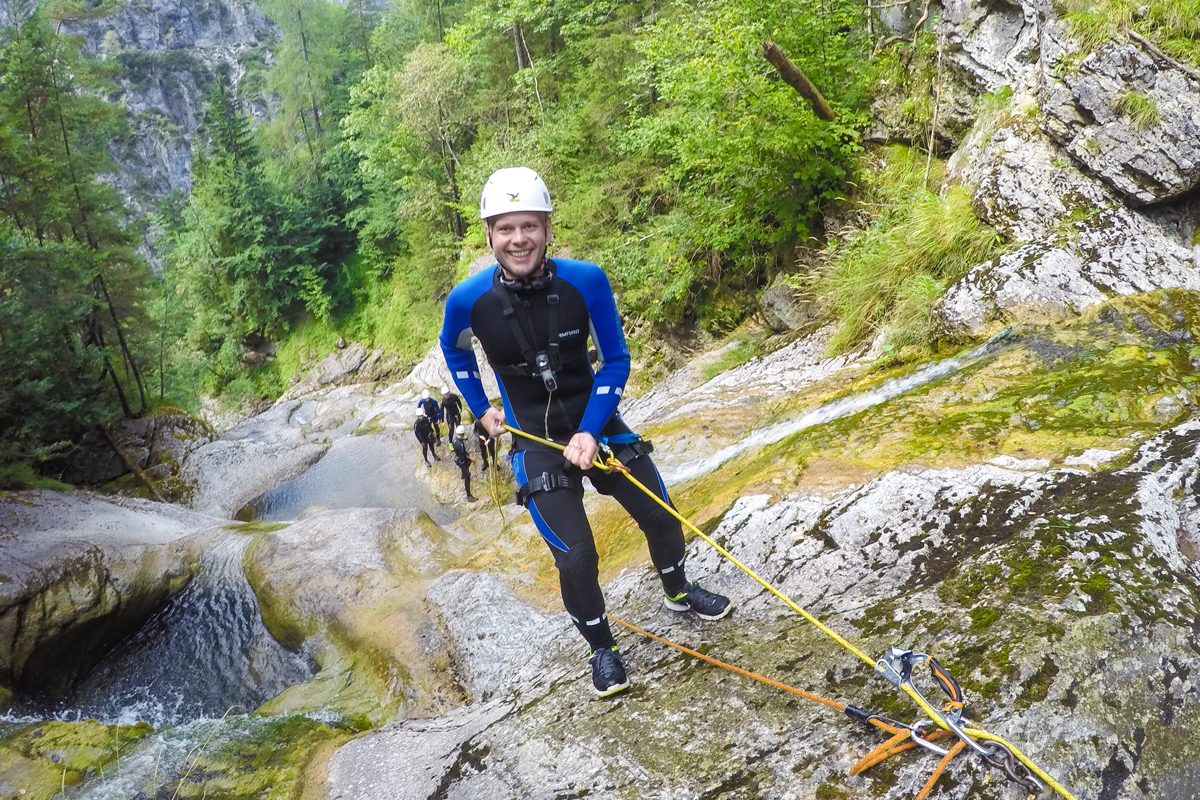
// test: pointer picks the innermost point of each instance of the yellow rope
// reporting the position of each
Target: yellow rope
(929, 710)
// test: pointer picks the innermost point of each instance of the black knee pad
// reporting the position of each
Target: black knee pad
(578, 563)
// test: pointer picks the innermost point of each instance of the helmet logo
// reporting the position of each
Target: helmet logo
(514, 197)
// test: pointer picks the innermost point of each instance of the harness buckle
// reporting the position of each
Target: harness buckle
(542, 483)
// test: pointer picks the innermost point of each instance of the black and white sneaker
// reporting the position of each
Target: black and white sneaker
(706, 604)
(608, 673)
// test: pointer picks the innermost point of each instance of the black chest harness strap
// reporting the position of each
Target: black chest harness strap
(537, 364)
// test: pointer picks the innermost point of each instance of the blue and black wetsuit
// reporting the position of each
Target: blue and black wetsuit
(525, 329)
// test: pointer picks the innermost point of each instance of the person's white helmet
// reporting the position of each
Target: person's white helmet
(424, 394)
(445, 390)
(420, 413)
(514, 189)
(460, 431)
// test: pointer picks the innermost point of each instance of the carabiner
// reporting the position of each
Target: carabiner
(914, 733)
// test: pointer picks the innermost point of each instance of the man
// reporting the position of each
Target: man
(432, 410)
(451, 412)
(462, 459)
(487, 445)
(423, 430)
(533, 317)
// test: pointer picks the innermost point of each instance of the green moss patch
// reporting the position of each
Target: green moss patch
(43, 758)
(281, 758)
(255, 527)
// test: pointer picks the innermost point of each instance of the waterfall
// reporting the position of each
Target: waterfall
(203, 655)
(836, 409)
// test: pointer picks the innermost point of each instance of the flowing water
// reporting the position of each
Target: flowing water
(835, 410)
(206, 653)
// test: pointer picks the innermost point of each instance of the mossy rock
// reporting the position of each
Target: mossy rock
(38, 760)
(281, 758)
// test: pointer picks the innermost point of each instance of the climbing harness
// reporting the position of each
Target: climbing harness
(896, 665)
(543, 364)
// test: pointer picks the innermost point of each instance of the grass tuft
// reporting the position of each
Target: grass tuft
(890, 273)
(23, 476)
(1173, 25)
(1141, 109)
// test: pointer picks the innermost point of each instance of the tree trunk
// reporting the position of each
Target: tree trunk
(518, 46)
(458, 225)
(362, 31)
(133, 467)
(312, 97)
(100, 284)
(792, 75)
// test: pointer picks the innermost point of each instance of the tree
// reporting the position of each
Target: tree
(69, 274)
(244, 260)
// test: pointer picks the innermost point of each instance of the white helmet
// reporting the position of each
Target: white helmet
(514, 189)
(420, 413)
(460, 431)
(424, 394)
(445, 390)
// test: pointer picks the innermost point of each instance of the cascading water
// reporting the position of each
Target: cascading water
(206, 653)
(837, 409)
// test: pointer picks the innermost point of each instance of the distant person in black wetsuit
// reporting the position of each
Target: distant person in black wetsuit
(487, 445)
(451, 412)
(423, 430)
(461, 458)
(533, 317)
(432, 410)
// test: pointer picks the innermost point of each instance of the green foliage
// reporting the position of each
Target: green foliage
(744, 347)
(23, 476)
(246, 255)
(68, 274)
(1173, 25)
(889, 274)
(735, 165)
(1142, 110)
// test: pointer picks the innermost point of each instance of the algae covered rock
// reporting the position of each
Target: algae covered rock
(38, 759)
(351, 583)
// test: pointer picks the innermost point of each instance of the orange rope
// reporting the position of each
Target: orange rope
(940, 768)
(900, 741)
(894, 746)
(834, 704)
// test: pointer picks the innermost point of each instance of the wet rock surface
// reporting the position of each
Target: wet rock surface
(78, 572)
(249, 459)
(1073, 664)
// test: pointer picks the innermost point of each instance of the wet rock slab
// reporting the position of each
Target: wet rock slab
(1061, 599)
(78, 571)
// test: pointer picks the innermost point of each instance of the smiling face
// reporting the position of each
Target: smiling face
(519, 241)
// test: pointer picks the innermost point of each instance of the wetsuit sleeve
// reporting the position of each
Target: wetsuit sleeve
(455, 341)
(609, 339)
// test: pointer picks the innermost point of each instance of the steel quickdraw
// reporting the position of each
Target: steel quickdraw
(898, 666)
